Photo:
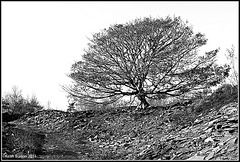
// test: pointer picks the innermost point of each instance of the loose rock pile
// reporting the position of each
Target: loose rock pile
(126, 134)
(211, 137)
(47, 121)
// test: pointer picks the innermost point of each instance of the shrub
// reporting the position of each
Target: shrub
(14, 103)
(223, 95)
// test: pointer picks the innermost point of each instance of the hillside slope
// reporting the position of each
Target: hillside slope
(128, 134)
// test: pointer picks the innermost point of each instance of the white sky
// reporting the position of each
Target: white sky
(41, 40)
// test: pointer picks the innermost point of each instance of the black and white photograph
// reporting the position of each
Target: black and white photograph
(119, 80)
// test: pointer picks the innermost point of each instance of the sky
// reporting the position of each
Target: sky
(41, 40)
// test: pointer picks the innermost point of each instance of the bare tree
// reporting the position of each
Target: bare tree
(15, 100)
(17, 104)
(147, 58)
(232, 58)
(49, 107)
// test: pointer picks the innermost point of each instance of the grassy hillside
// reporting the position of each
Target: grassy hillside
(206, 129)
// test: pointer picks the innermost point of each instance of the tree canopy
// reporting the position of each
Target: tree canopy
(149, 58)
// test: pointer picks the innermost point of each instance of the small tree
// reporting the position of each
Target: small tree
(71, 106)
(14, 102)
(147, 58)
(49, 107)
(232, 58)
(32, 104)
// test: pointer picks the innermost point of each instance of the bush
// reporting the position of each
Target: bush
(223, 95)
(14, 103)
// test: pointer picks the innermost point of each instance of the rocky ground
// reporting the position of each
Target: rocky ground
(177, 133)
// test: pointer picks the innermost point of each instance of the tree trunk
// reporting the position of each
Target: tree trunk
(144, 104)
